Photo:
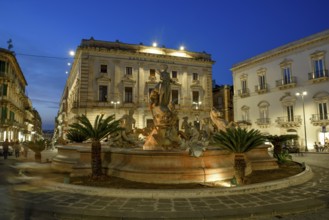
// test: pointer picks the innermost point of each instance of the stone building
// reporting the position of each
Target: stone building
(286, 90)
(115, 77)
(17, 114)
(223, 101)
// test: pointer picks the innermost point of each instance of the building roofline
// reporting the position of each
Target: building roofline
(143, 49)
(315, 38)
(12, 55)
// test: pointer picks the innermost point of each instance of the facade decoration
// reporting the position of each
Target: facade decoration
(223, 100)
(115, 77)
(18, 120)
(279, 77)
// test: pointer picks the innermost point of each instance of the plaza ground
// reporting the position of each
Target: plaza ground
(21, 200)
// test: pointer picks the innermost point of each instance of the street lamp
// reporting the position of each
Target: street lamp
(197, 104)
(115, 103)
(302, 94)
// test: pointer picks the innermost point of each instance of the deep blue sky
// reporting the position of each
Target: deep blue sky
(230, 30)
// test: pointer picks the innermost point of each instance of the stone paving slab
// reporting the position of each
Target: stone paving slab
(35, 202)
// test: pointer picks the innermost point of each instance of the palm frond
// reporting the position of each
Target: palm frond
(239, 140)
(100, 129)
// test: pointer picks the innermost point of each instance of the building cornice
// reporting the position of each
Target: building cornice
(143, 52)
(285, 49)
(11, 58)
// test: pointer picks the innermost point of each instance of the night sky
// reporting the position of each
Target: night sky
(43, 32)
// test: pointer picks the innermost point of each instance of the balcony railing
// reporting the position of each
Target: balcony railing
(320, 119)
(318, 76)
(261, 88)
(288, 122)
(244, 123)
(243, 92)
(284, 84)
(263, 121)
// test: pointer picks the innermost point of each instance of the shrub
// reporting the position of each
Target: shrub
(75, 135)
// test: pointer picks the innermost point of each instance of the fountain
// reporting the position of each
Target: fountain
(165, 157)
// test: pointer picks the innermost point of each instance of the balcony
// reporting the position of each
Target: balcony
(244, 123)
(263, 121)
(243, 92)
(286, 84)
(285, 122)
(5, 122)
(318, 76)
(261, 88)
(320, 119)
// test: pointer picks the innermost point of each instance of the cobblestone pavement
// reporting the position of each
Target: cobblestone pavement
(24, 201)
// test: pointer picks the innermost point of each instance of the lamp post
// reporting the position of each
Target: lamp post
(302, 94)
(197, 104)
(115, 103)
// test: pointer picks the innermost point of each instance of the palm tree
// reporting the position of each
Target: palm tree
(75, 135)
(102, 128)
(278, 140)
(239, 141)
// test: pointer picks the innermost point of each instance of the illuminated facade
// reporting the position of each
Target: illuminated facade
(223, 101)
(114, 77)
(265, 89)
(17, 114)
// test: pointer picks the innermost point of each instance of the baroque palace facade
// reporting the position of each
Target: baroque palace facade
(286, 90)
(117, 78)
(19, 120)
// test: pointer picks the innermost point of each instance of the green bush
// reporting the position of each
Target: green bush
(36, 146)
(283, 157)
(75, 135)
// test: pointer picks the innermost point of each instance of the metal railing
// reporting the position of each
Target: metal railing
(261, 88)
(243, 92)
(283, 82)
(318, 74)
(286, 121)
(263, 121)
(320, 117)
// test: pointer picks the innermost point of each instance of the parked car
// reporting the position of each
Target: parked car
(10, 150)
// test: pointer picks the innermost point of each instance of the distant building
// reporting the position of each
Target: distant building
(223, 100)
(270, 90)
(114, 77)
(48, 134)
(18, 119)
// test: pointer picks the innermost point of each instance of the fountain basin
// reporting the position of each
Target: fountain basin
(165, 167)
